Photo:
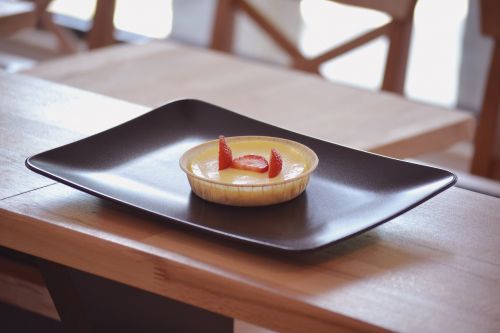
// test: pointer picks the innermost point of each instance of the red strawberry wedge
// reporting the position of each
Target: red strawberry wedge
(225, 154)
(275, 163)
(251, 163)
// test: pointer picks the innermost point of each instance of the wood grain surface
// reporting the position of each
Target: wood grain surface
(433, 269)
(156, 73)
(36, 115)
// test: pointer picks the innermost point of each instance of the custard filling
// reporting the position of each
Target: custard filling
(206, 164)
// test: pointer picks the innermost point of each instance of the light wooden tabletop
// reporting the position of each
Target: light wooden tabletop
(156, 73)
(435, 268)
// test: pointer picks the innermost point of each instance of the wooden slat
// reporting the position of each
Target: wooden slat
(489, 14)
(397, 57)
(486, 159)
(223, 27)
(487, 135)
(279, 38)
(398, 31)
(352, 44)
(102, 31)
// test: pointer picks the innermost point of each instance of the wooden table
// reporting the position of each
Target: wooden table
(156, 73)
(435, 268)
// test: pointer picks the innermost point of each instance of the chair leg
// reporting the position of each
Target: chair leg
(224, 21)
(397, 57)
(485, 147)
(101, 33)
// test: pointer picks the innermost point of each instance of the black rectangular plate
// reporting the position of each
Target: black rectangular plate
(137, 163)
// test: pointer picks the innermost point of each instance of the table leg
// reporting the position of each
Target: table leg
(88, 303)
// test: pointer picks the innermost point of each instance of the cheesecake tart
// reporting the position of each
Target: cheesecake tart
(260, 171)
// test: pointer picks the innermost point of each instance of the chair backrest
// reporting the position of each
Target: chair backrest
(398, 31)
(486, 159)
(16, 15)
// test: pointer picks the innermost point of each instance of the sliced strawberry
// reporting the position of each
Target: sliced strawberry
(251, 163)
(275, 163)
(225, 154)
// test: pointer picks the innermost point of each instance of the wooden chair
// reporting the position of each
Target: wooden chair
(486, 159)
(398, 32)
(16, 15)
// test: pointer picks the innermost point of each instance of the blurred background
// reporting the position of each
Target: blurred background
(447, 64)
(434, 64)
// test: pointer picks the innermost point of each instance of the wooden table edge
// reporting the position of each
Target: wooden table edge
(187, 284)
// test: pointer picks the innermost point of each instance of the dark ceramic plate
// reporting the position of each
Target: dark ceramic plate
(137, 163)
